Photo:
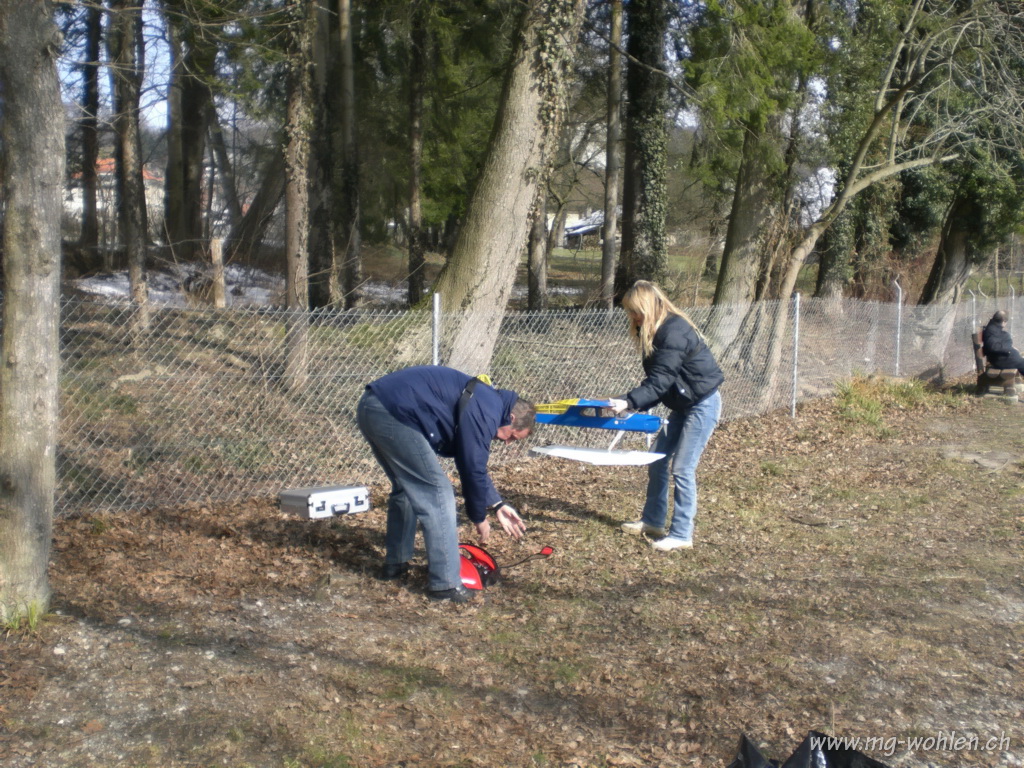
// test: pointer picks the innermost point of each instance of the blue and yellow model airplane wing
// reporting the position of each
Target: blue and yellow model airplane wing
(595, 414)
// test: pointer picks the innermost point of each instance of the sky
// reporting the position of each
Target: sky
(155, 75)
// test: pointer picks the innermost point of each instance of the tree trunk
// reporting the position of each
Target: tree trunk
(556, 237)
(613, 161)
(224, 164)
(645, 192)
(246, 237)
(477, 281)
(537, 258)
(89, 237)
(124, 40)
(174, 172)
(995, 272)
(296, 197)
(953, 263)
(738, 268)
(323, 278)
(195, 100)
(349, 244)
(32, 141)
(835, 259)
(714, 253)
(194, 60)
(741, 255)
(417, 86)
(786, 220)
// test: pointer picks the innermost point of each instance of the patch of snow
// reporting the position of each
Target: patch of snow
(244, 286)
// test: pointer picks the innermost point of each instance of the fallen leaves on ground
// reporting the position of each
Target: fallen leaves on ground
(851, 578)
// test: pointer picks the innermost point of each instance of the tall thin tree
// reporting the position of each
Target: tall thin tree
(88, 239)
(537, 256)
(323, 271)
(417, 88)
(613, 158)
(349, 238)
(296, 196)
(192, 30)
(127, 54)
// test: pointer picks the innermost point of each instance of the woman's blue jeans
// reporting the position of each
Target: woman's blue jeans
(420, 493)
(682, 441)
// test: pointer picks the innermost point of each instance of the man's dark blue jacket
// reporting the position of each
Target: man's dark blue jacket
(426, 398)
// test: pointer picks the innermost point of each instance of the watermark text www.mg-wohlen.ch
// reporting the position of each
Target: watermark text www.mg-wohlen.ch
(943, 741)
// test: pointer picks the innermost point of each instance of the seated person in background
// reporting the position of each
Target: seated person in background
(997, 345)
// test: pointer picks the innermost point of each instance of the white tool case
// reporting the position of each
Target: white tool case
(328, 501)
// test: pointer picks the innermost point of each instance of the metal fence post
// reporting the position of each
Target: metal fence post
(899, 322)
(1013, 308)
(436, 331)
(796, 352)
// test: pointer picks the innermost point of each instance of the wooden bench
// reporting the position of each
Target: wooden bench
(992, 377)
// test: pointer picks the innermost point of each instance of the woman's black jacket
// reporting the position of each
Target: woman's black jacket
(680, 371)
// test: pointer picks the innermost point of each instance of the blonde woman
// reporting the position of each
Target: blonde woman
(681, 373)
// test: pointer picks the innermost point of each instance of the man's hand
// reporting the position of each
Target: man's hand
(483, 530)
(510, 521)
(618, 406)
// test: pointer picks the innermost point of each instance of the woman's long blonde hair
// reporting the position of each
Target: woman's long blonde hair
(652, 306)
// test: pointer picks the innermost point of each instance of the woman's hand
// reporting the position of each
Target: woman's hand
(618, 406)
(510, 521)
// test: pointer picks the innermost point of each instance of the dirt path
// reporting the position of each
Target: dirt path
(855, 577)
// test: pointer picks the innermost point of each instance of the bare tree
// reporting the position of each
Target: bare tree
(124, 39)
(32, 138)
(918, 115)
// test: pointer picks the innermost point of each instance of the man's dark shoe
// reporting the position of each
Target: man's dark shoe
(392, 571)
(455, 595)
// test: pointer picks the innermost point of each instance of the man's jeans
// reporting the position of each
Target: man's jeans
(682, 441)
(420, 492)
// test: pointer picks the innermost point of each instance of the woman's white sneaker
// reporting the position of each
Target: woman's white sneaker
(668, 544)
(638, 527)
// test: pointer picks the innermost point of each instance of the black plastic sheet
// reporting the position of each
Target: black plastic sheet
(818, 750)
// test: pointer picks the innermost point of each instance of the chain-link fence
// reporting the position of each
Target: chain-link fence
(212, 405)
